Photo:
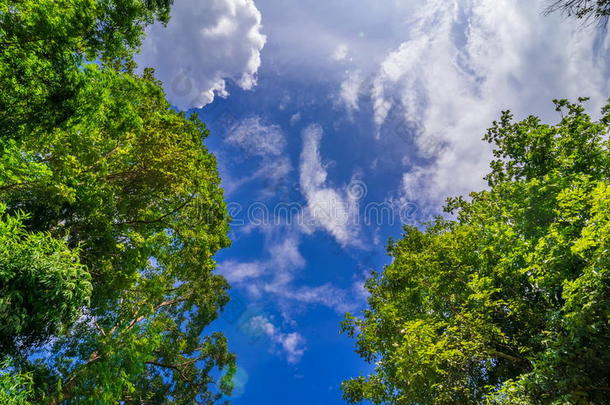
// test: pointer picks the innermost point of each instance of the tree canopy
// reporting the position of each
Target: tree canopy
(111, 212)
(42, 285)
(15, 387)
(46, 43)
(508, 302)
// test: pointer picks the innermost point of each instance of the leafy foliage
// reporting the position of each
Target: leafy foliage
(42, 285)
(130, 183)
(113, 212)
(508, 303)
(45, 44)
(126, 179)
(15, 388)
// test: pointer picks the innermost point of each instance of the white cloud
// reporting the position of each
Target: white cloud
(463, 63)
(292, 344)
(350, 90)
(285, 260)
(285, 253)
(265, 141)
(308, 38)
(447, 66)
(333, 210)
(205, 44)
(275, 276)
(295, 118)
(236, 272)
(341, 52)
(327, 294)
(256, 138)
(274, 171)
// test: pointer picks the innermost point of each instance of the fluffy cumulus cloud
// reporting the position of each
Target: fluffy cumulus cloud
(439, 71)
(205, 44)
(331, 209)
(291, 344)
(465, 61)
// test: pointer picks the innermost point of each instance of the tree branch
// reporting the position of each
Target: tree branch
(170, 366)
(152, 221)
(69, 384)
(155, 309)
(509, 357)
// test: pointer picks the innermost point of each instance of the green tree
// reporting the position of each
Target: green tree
(508, 302)
(42, 285)
(44, 45)
(125, 176)
(15, 388)
(117, 211)
(129, 184)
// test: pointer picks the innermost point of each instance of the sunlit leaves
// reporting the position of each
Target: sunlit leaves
(42, 285)
(509, 302)
(112, 214)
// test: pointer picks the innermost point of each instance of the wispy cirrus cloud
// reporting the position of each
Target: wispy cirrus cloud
(459, 65)
(275, 276)
(330, 209)
(238, 272)
(351, 89)
(256, 139)
(291, 344)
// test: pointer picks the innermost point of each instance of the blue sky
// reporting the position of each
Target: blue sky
(335, 123)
